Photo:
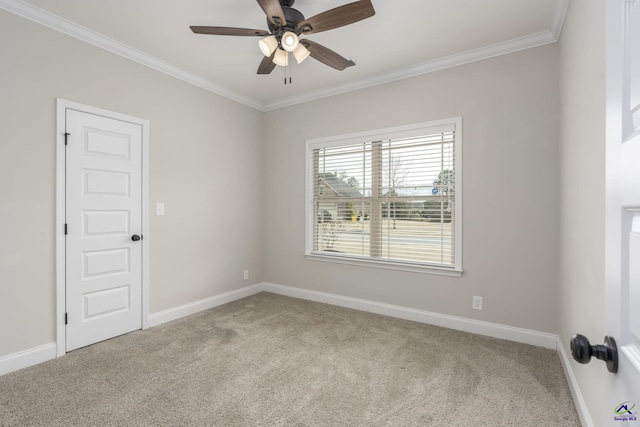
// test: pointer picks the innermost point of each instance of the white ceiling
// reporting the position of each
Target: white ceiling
(403, 39)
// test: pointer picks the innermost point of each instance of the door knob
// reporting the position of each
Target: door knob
(135, 237)
(582, 351)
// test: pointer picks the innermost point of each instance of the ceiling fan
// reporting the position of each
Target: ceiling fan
(286, 25)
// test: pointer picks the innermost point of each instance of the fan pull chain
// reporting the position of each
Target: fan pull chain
(288, 67)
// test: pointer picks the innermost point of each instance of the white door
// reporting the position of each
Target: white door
(103, 222)
(622, 269)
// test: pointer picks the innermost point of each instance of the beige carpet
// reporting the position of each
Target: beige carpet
(269, 360)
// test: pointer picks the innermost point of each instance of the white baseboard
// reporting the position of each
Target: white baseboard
(24, 359)
(160, 317)
(33, 356)
(36, 355)
(495, 330)
(578, 399)
(14, 362)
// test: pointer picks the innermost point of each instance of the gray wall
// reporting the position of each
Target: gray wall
(206, 161)
(582, 178)
(510, 110)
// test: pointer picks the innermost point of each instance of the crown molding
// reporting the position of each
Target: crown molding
(558, 18)
(469, 56)
(491, 51)
(69, 28)
(79, 32)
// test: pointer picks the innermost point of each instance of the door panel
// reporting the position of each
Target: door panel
(107, 301)
(103, 144)
(103, 210)
(101, 263)
(106, 223)
(632, 300)
(105, 183)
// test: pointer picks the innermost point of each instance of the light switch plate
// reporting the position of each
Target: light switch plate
(159, 209)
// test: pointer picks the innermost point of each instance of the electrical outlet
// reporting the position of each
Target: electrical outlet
(246, 275)
(477, 303)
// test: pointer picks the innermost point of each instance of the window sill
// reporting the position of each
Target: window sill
(388, 265)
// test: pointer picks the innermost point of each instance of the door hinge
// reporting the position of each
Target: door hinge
(65, 229)
(66, 319)
(66, 134)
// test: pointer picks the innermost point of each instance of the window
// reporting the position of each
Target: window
(388, 198)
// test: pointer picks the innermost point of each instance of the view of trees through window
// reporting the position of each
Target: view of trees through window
(392, 199)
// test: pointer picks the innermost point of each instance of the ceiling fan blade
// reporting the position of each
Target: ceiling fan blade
(326, 55)
(274, 11)
(229, 31)
(267, 65)
(338, 17)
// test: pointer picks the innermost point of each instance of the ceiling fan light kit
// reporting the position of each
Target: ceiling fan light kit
(286, 25)
(301, 53)
(281, 58)
(268, 45)
(290, 41)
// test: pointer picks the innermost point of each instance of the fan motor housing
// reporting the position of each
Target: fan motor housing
(292, 16)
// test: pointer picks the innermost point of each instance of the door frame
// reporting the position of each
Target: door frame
(62, 105)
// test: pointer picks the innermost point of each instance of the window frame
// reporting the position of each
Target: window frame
(397, 132)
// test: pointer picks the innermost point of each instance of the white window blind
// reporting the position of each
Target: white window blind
(388, 197)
